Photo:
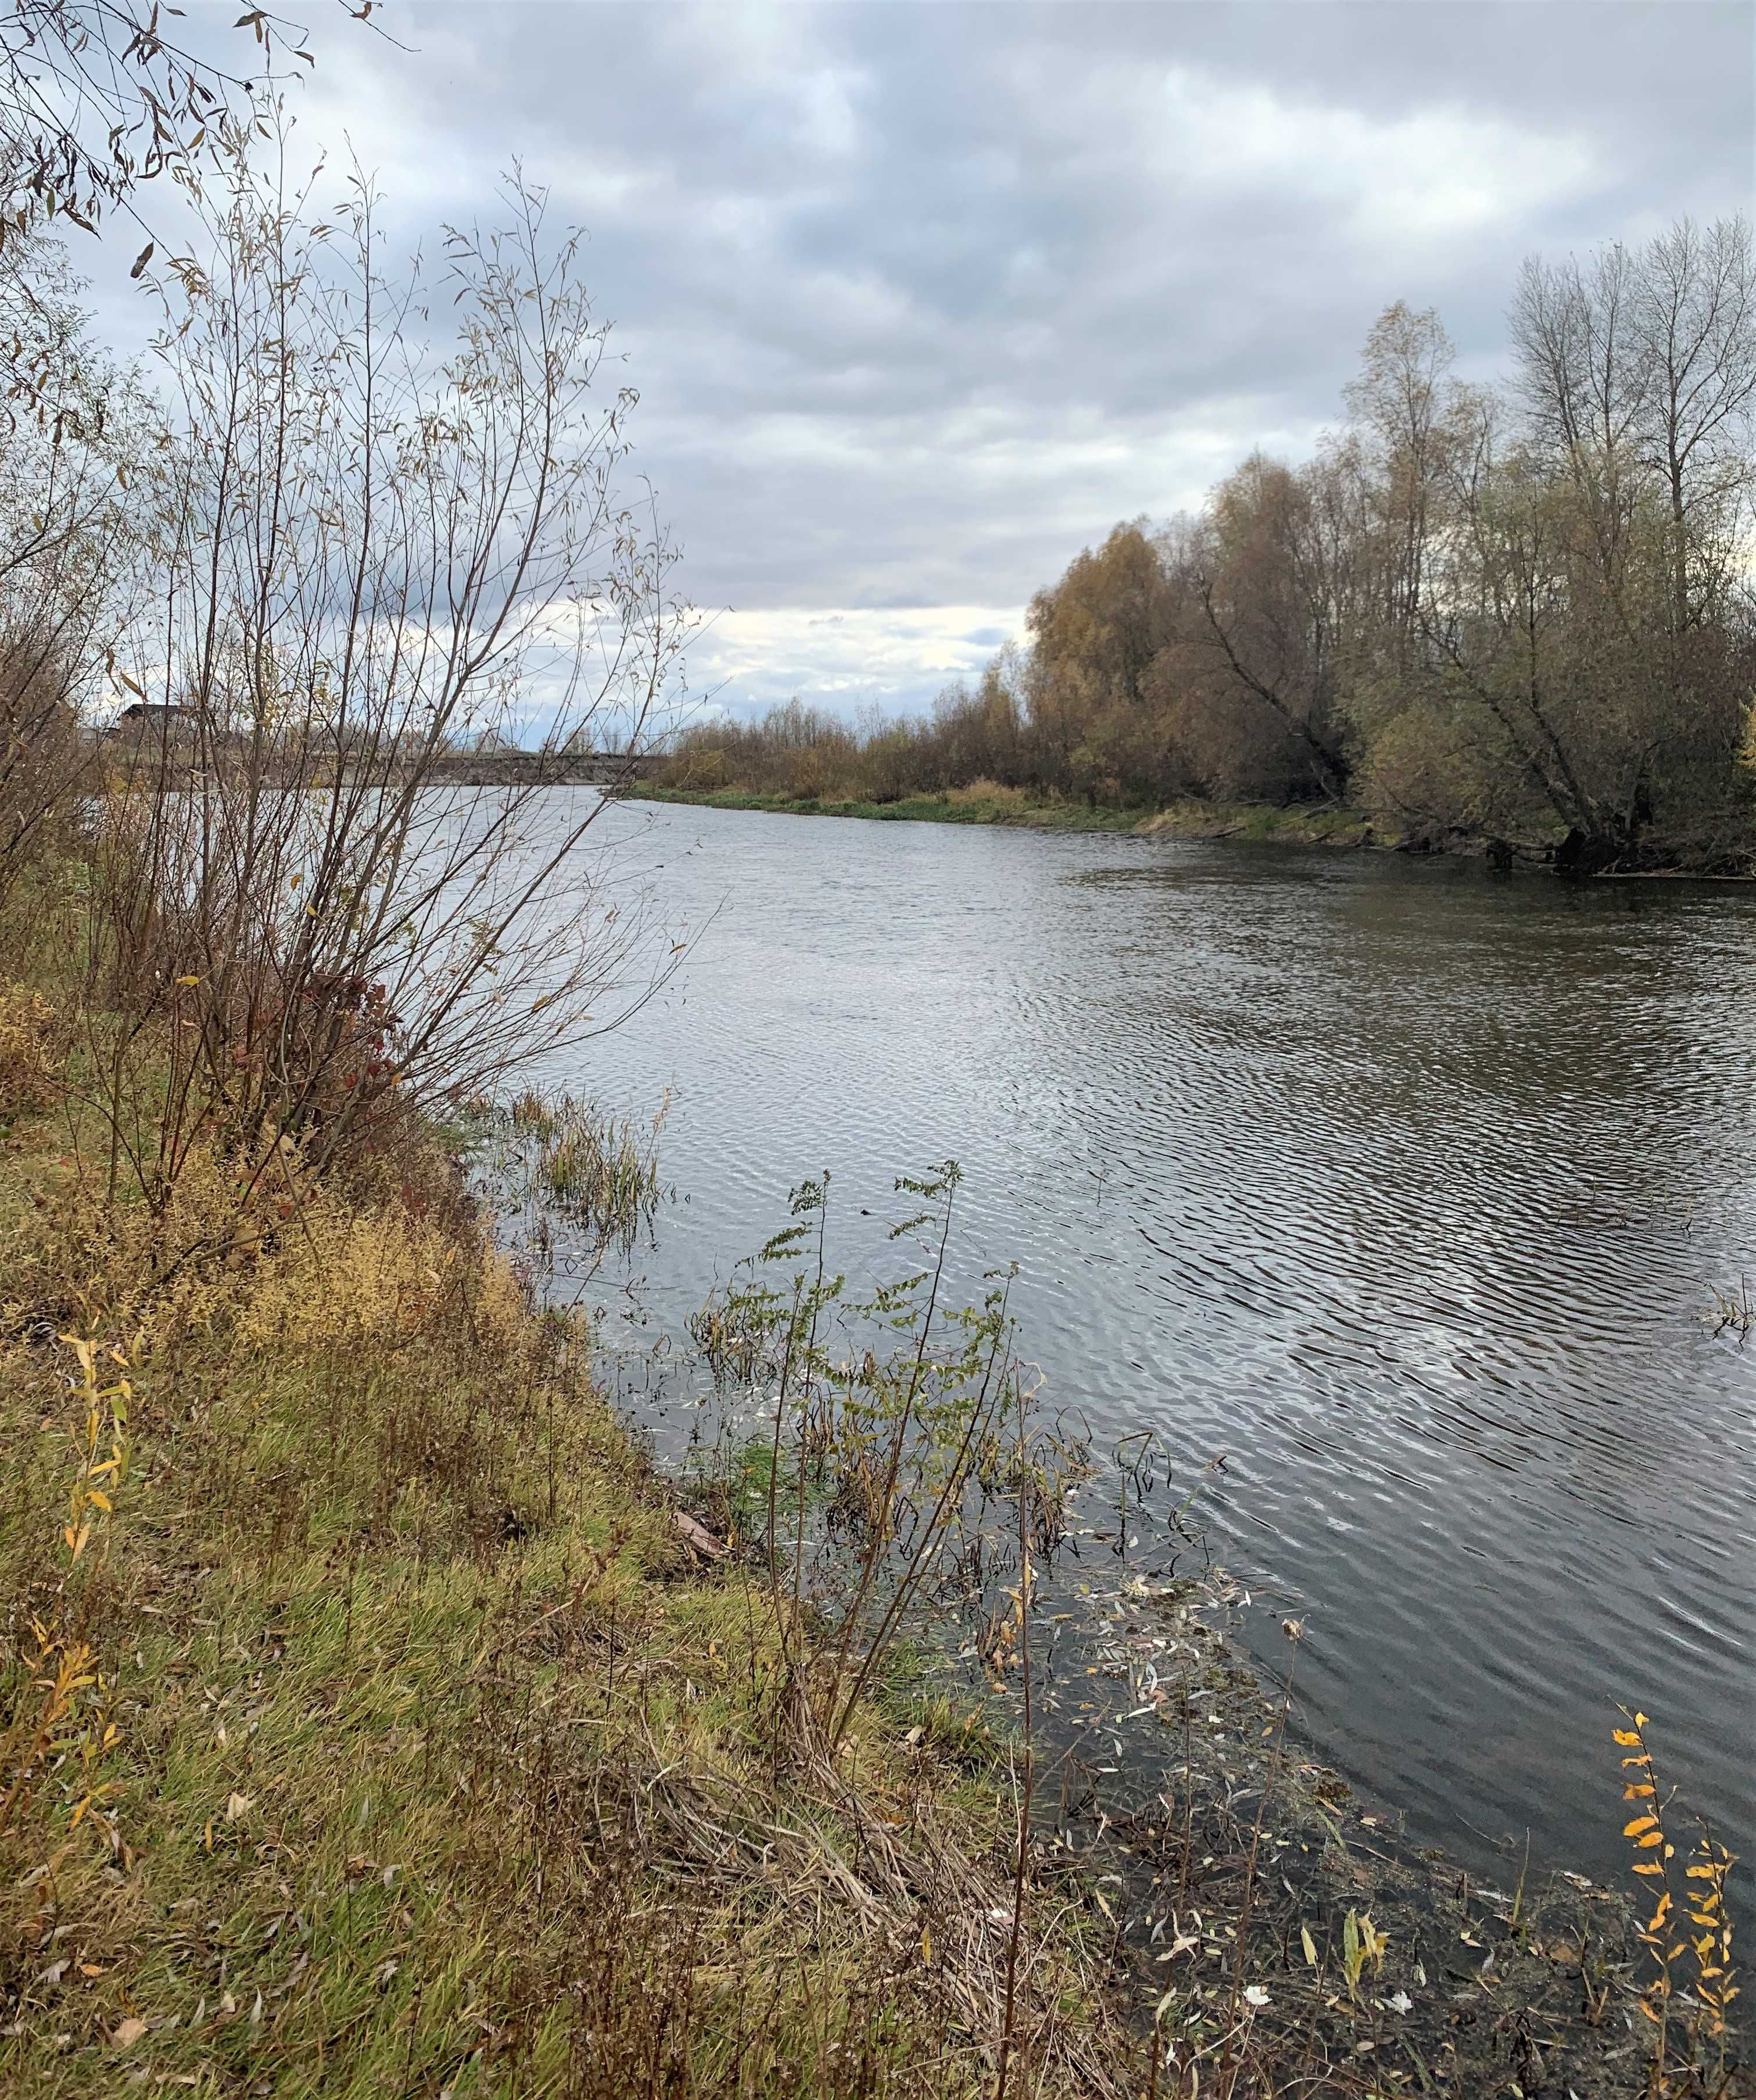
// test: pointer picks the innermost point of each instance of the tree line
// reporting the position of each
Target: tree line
(1517, 615)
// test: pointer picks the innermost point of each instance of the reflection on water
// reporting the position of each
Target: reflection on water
(1402, 1185)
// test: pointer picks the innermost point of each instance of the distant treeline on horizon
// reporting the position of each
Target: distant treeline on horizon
(1519, 613)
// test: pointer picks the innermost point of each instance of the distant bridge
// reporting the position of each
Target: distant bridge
(547, 769)
(162, 740)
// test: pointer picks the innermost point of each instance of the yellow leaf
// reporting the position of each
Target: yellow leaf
(926, 1944)
(1309, 1944)
(1626, 1736)
(97, 1499)
(1640, 1823)
(1651, 1867)
(1653, 1836)
(189, 980)
(128, 2034)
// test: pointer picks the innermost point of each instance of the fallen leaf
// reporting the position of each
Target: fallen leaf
(128, 2034)
(699, 1536)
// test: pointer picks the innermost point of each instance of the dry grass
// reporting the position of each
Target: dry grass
(33, 1051)
(411, 1749)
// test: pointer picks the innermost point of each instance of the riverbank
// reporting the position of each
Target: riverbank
(1191, 820)
(374, 1723)
(1330, 826)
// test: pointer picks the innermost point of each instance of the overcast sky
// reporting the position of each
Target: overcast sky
(920, 298)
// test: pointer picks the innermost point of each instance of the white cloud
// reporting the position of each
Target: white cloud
(1440, 173)
(845, 657)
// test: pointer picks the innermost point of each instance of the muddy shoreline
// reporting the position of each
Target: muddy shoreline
(1241, 1878)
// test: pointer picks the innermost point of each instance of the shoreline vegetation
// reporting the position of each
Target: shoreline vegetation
(982, 803)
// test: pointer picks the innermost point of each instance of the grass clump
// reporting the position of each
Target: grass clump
(33, 1051)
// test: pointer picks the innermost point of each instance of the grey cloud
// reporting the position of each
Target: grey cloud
(921, 298)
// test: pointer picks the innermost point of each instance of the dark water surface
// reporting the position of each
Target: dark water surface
(1403, 1185)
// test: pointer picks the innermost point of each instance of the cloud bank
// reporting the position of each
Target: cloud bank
(920, 299)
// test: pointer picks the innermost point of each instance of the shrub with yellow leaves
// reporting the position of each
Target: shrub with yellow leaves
(1686, 2003)
(60, 1729)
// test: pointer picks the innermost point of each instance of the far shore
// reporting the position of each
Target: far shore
(1332, 826)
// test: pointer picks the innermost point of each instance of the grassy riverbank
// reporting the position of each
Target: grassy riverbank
(372, 1723)
(372, 1726)
(1331, 825)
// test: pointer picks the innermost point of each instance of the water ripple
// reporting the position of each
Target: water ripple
(1402, 1185)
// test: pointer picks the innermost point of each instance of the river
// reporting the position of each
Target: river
(1403, 1185)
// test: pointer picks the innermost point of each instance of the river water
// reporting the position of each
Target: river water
(1403, 1185)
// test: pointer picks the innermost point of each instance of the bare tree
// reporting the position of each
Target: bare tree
(1400, 406)
(75, 425)
(1642, 365)
(1259, 575)
(99, 96)
(372, 547)
(1582, 381)
(1695, 323)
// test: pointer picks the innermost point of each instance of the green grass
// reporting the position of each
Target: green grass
(915, 809)
(1185, 819)
(1327, 825)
